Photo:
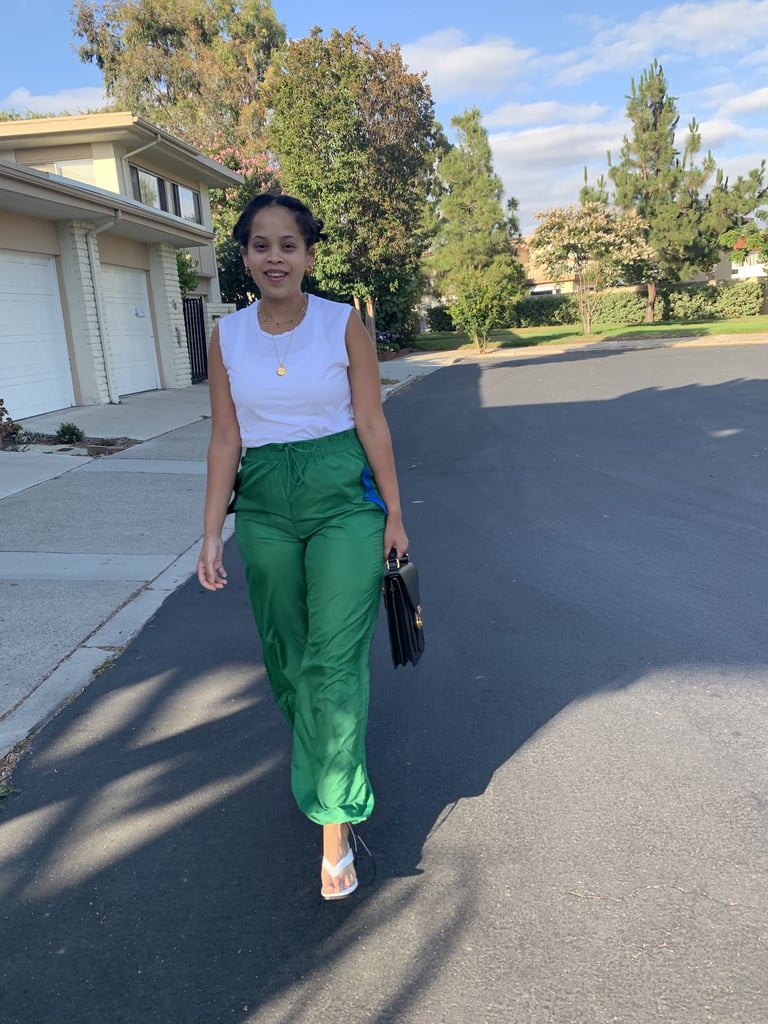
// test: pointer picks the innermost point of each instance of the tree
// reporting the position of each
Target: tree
(667, 189)
(597, 193)
(596, 247)
(743, 236)
(354, 136)
(483, 301)
(187, 268)
(472, 261)
(226, 206)
(193, 67)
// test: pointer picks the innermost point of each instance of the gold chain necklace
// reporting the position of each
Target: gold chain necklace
(281, 370)
(263, 318)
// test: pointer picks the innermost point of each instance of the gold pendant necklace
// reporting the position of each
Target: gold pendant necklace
(281, 370)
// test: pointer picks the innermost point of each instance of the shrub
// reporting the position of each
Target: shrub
(741, 298)
(69, 433)
(7, 426)
(692, 303)
(439, 320)
(387, 341)
(395, 311)
(545, 311)
(619, 308)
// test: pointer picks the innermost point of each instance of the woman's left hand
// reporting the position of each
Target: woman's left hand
(395, 537)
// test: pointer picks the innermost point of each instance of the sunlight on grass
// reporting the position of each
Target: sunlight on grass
(569, 334)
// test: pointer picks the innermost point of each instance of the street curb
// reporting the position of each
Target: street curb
(633, 344)
(76, 670)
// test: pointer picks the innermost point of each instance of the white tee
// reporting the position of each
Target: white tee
(313, 399)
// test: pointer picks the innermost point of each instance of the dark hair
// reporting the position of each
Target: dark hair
(310, 227)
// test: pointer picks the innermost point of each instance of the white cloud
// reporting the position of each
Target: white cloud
(559, 146)
(750, 103)
(756, 58)
(712, 97)
(716, 131)
(699, 30)
(455, 66)
(545, 112)
(743, 163)
(544, 167)
(74, 101)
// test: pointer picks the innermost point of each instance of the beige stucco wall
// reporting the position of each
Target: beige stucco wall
(123, 252)
(168, 316)
(28, 234)
(105, 167)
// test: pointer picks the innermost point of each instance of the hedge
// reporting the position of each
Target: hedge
(620, 308)
(712, 302)
(545, 310)
(682, 302)
(439, 320)
(742, 298)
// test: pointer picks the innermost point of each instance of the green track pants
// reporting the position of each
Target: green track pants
(309, 527)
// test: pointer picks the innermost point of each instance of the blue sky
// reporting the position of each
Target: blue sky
(550, 81)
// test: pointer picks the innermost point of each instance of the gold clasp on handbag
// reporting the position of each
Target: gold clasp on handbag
(417, 617)
(393, 562)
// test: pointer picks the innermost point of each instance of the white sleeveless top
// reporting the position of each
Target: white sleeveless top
(313, 399)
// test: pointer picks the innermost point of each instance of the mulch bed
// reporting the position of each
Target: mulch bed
(28, 438)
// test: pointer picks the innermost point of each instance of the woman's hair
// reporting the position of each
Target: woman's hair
(310, 227)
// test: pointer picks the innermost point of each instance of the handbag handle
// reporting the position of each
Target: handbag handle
(393, 562)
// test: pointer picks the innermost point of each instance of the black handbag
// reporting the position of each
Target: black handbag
(402, 605)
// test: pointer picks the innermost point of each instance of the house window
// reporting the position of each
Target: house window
(80, 170)
(186, 203)
(149, 188)
(152, 190)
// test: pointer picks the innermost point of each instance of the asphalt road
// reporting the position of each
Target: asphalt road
(571, 814)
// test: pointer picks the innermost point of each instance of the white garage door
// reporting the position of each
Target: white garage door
(132, 343)
(35, 375)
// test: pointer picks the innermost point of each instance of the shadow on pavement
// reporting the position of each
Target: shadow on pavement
(154, 868)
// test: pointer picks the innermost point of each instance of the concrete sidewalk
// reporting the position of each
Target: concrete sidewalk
(90, 548)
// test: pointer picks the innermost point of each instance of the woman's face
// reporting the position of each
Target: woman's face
(276, 255)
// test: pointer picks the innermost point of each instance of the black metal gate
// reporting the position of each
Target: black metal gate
(194, 323)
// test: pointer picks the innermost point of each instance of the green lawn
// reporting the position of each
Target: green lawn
(571, 334)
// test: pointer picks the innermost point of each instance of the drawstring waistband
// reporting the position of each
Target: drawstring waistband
(295, 455)
(294, 465)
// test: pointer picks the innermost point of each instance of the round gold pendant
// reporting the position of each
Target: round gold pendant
(281, 371)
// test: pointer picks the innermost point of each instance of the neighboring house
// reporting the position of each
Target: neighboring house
(92, 211)
(726, 270)
(537, 283)
(536, 279)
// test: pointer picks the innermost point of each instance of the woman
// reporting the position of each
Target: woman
(294, 380)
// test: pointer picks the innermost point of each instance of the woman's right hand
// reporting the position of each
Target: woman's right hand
(211, 573)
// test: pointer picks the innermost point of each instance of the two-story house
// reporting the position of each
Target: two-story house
(93, 209)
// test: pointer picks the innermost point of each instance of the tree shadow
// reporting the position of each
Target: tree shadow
(154, 867)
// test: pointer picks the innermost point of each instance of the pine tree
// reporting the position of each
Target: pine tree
(473, 258)
(663, 187)
(687, 214)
